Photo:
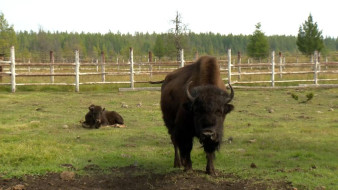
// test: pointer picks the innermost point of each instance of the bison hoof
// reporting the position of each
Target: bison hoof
(188, 169)
(211, 172)
(177, 164)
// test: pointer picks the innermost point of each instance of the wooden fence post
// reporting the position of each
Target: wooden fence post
(229, 66)
(1, 59)
(131, 67)
(97, 65)
(117, 62)
(150, 60)
(315, 76)
(13, 83)
(182, 57)
(29, 68)
(77, 71)
(280, 65)
(51, 57)
(239, 65)
(103, 69)
(284, 62)
(273, 68)
(318, 60)
(326, 60)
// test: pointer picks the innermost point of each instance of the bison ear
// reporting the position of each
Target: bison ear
(103, 109)
(187, 106)
(91, 107)
(228, 108)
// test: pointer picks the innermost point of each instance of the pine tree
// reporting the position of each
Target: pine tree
(309, 38)
(159, 48)
(178, 33)
(258, 46)
(7, 35)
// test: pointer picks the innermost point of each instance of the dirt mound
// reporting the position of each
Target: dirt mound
(135, 178)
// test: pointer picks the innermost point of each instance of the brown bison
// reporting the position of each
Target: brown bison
(97, 117)
(194, 103)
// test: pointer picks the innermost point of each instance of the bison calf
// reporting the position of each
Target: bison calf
(98, 116)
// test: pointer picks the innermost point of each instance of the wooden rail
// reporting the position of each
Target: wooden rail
(131, 69)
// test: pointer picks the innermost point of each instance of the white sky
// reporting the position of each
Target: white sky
(282, 17)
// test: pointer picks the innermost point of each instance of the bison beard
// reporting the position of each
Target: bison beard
(200, 113)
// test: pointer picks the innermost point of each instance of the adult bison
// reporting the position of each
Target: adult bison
(194, 103)
(97, 117)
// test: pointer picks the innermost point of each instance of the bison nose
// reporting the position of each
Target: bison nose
(98, 120)
(209, 134)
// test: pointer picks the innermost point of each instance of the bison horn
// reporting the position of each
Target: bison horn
(191, 98)
(232, 94)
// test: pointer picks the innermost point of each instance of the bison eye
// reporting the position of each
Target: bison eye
(219, 112)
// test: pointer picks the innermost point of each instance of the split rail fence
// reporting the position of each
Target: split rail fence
(233, 71)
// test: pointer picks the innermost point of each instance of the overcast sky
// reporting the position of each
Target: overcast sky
(282, 17)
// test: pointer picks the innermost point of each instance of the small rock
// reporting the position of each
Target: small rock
(69, 166)
(19, 187)
(125, 156)
(331, 109)
(319, 112)
(123, 105)
(65, 126)
(241, 150)
(270, 110)
(253, 165)
(67, 176)
(252, 141)
(313, 166)
(230, 139)
(34, 122)
(139, 105)
(78, 137)
(24, 178)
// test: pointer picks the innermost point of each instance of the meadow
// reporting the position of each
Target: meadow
(286, 139)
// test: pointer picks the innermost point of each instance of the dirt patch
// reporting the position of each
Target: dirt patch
(135, 178)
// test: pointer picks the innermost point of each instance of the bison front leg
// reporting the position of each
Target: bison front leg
(185, 147)
(210, 163)
(177, 160)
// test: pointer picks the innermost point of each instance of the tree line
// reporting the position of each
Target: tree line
(35, 46)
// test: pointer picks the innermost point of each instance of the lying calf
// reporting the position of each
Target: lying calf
(97, 117)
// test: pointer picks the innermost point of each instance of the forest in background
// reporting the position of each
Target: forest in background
(35, 46)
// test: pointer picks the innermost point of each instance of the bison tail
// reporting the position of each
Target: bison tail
(156, 82)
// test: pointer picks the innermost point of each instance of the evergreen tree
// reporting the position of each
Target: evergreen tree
(258, 46)
(309, 38)
(7, 35)
(178, 33)
(159, 48)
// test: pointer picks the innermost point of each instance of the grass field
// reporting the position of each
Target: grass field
(284, 138)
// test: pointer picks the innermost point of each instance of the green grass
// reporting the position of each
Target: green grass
(294, 141)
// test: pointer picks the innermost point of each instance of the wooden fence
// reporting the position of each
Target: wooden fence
(233, 71)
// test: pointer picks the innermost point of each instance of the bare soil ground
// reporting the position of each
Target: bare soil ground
(135, 178)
